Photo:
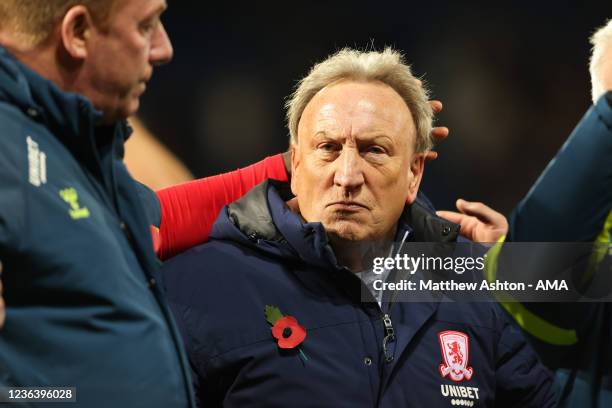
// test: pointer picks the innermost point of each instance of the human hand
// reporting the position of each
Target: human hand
(479, 222)
(438, 133)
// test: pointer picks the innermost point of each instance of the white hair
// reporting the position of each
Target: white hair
(387, 67)
(602, 43)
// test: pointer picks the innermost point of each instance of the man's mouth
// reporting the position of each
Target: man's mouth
(346, 205)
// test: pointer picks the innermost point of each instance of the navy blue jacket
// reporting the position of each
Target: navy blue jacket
(262, 254)
(83, 309)
(572, 202)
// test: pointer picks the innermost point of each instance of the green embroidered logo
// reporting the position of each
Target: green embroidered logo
(71, 196)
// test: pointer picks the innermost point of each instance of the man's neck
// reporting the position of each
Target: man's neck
(358, 256)
(43, 58)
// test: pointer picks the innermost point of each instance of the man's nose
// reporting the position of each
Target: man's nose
(161, 47)
(349, 174)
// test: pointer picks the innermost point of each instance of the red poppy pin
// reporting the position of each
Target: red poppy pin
(286, 329)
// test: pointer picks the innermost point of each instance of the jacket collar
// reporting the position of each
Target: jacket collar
(263, 219)
(69, 116)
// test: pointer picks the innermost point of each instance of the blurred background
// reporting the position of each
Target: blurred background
(513, 79)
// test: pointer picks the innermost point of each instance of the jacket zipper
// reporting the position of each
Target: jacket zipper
(389, 337)
(389, 330)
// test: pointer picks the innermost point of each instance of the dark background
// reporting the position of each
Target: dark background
(513, 78)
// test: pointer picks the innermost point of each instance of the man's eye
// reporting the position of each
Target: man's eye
(147, 26)
(328, 147)
(376, 150)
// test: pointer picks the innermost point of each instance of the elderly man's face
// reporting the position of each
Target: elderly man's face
(354, 166)
(121, 57)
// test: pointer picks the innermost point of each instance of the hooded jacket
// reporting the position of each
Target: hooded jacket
(83, 306)
(263, 254)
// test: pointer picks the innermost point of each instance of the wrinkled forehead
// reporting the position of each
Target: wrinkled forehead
(354, 109)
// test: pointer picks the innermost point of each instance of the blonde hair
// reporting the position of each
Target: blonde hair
(387, 66)
(602, 42)
(34, 20)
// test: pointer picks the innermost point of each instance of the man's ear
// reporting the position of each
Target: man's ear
(417, 167)
(295, 164)
(75, 29)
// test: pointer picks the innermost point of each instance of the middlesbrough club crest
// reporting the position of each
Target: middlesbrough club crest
(455, 352)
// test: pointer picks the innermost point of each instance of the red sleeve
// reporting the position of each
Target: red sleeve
(189, 210)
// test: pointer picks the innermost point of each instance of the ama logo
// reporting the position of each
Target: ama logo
(456, 353)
